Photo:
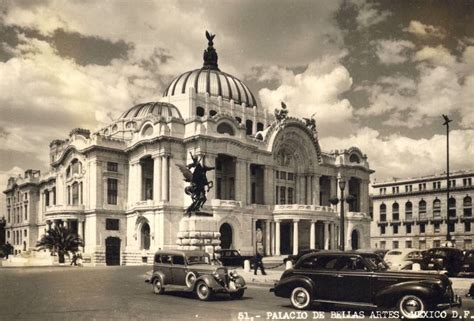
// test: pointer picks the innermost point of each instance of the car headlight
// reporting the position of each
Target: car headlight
(233, 273)
(216, 275)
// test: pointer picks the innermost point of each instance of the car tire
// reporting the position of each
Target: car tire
(300, 298)
(190, 279)
(158, 286)
(203, 291)
(409, 305)
(237, 295)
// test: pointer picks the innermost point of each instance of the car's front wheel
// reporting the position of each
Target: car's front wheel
(237, 295)
(203, 291)
(411, 306)
(300, 298)
(158, 286)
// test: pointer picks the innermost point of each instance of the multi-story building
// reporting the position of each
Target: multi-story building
(120, 189)
(415, 212)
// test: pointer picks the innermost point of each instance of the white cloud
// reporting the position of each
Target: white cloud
(316, 90)
(369, 15)
(393, 51)
(399, 156)
(417, 28)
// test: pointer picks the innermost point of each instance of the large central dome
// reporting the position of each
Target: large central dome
(209, 79)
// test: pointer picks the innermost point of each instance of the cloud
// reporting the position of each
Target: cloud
(444, 84)
(400, 156)
(419, 29)
(393, 51)
(368, 14)
(317, 89)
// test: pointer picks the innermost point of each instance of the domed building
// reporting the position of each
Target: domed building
(121, 190)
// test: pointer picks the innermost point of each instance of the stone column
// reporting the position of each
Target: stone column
(295, 237)
(334, 189)
(316, 190)
(157, 178)
(308, 190)
(131, 175)
(164, 178)
(247, 184)
(277, 238)
(80, 227)
(312, 235)
(267, 237)
(138, 182)
(326, 235)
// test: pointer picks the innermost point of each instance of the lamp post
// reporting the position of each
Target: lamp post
(335, 201)
(446, 123)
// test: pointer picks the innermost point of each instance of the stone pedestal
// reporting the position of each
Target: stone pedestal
(199, 231)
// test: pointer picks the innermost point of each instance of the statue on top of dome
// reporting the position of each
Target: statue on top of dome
(281, 114)
(210, 54)
(311, 123)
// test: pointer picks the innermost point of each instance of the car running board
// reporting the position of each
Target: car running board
(347, 303)
(173, 287)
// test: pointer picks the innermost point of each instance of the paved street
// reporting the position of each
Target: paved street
(119, 293)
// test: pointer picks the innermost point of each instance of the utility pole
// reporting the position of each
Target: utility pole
(446, 123)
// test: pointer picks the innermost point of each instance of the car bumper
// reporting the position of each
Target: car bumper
(456, 302)
(227, 290)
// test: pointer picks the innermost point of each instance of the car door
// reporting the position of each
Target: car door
(165, 268)
(179, 270)
(354, 280)
(320, 269)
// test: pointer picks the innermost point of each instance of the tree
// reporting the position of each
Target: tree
(60, 239)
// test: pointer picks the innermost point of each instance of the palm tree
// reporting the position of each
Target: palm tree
(60, 239)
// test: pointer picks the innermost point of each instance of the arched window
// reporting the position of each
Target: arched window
(212, 113)
(147, 131)
(115, 128)
(422, 208)
(200, 111)
(383, 212)
(248, 127)
(354, 158)
(238, 119)
(75, 193)
(452, 207)
(259, 127)
(436, 208)
(395, 212)
(225, 128)
(408, 210)
(130, 124)
(467, 206)
(145, 236)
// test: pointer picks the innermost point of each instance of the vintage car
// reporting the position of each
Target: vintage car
(295, 257)
(193, 271)
(232, 257)
(400, 259)
(467, 268)
(363, 279)
(443, 258)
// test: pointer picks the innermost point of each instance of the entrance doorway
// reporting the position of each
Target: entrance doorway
(112, 251)
(355, 239)
(226, 236)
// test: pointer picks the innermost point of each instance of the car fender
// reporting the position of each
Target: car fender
(158, 274)
(285, 286)
(389, 296)
(209, 280)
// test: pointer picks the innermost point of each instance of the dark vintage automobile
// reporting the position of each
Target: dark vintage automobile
(467, 267)
(193, 271)
(232, 257)
(363, 279)
(295, 257)
(443, 258)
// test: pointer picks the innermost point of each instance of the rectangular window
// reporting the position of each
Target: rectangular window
(290, 195)
(451, 227)
(253, 192)
(282, 175)
(382, 244)
(452, 183)
(467, 226)
(422, 245)
(277, 193)
(382, 229)
(75, 194)
(436, 243)
(26, 212)
(25, 233)
(112, 224)
(395, 229)
(408, 244)
(282, 195)
(436, 228)
(112, 191)
(395, 244)
(408, 228)
(291, 176)
(422, 228)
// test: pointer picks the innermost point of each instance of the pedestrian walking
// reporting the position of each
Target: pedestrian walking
(258, 264)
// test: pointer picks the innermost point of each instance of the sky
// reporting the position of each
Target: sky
(377, 74)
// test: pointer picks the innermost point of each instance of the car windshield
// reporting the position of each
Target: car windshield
(202, 259)
(376, 263)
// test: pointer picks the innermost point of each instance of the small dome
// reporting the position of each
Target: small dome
(214, 82)
(152, 108)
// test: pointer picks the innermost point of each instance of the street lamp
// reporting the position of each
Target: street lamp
(446, 123)
(335, 201)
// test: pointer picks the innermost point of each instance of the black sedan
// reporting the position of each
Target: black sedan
(232, 258)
